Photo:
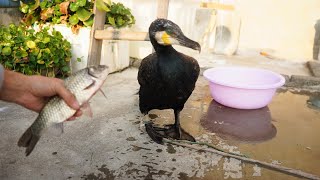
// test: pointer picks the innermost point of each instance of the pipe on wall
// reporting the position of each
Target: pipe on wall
(9, 3)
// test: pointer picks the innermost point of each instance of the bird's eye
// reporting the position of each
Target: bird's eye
(169, 31)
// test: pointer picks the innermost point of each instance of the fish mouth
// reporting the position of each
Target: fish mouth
(97, 71)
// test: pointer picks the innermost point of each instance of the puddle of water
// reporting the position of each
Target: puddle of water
(243, 125)
(285, 131)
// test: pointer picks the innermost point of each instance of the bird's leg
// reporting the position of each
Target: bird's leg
(181, 134)
(177, 122)
(173, 131)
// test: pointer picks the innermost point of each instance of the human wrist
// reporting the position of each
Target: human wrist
(13, 87)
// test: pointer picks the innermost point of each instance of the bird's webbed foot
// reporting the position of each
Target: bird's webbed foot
(169, 131)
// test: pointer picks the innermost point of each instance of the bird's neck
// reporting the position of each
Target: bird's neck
(162, 50)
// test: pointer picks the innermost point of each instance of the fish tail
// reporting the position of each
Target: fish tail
(28, 140)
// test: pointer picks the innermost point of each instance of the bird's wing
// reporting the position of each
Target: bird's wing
(194, 67)
(147, 69)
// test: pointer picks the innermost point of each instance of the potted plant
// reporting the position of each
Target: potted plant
(73, 18)
(43, 53)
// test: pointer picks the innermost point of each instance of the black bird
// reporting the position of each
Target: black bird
(167, 77)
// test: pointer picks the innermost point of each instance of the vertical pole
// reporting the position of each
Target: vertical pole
(162, 12)
(95, 47)
(163, 6)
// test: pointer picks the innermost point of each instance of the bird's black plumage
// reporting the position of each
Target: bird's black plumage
(167, 77)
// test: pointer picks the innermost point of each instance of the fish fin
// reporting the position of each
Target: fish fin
(103, 93)
(86, 109)
(28, 140)
(56, 129)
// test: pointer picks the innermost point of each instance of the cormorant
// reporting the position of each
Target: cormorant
(167, 77)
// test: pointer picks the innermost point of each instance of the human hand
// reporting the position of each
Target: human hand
(33, 92)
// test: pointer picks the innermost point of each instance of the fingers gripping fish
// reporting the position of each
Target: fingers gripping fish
(83, 84)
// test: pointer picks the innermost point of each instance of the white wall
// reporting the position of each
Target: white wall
(283, 28)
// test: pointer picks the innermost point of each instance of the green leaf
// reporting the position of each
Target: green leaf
(111, 21)
(47, 51)
(49, 64)
(24, 53)
(35, 51)
(57, 12)
(31, 44)
(73, 20)
(56, 60)
(6, 51)
(58, 1)
(43, 4)
(41, 45)
(7, 36)
(40, 62)
(74, 7)
(24, 8)
(81, 3)
(89, 22)
(102, 6)
(46, 40)
(83, 14)
(39, 55)
(32, 58)
(108, 2)
(56, 20)
(120, 21)
(65, 69)
(8, 64)
(79, 59)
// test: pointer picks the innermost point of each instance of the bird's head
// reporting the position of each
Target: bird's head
(166, 33)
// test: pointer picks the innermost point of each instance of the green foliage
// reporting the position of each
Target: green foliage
(29, 52)
(119, 16)
(75, 13)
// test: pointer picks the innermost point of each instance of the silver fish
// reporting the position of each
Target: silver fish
(83, 84)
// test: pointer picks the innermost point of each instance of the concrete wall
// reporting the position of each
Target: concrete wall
(285, 26)
(10, 15)
(282, 28)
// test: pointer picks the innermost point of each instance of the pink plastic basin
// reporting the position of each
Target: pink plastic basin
(241, 87)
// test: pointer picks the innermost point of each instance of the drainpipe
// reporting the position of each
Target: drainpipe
(9, 3)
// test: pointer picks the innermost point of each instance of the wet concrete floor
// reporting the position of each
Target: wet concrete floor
(284, 132)
(113, 146)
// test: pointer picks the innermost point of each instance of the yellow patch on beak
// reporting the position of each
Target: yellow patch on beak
(166, 38)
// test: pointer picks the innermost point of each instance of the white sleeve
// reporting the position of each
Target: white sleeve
(1, 75)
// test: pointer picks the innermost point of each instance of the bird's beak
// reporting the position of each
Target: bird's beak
(186, 42)
(165, 39)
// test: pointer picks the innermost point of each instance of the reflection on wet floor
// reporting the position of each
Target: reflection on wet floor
(285, 132)
(243, 125)
(314, 102)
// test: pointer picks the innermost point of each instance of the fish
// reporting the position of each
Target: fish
(83, 84)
